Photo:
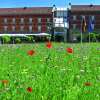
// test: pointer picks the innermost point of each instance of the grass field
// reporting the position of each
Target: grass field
(50, 74)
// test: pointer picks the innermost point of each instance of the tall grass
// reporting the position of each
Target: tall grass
(53, 74)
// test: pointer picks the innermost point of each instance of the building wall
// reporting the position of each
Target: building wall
(26, 23)
(86, 14)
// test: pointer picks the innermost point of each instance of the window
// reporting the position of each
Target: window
(21, 28)
(13, 28)
(48, 19)
(74, 17)
(39, 20)
(93, 17)
(74, 26)
(30, 20)
(5, 20)
(13, 20)
(65, 14)
(30, 28)
(22, 20)
(58, 14)
(5, 28)
(39, 28)
(48, 28)
(83, 16)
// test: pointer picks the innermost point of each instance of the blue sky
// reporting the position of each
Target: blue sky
(31, 3)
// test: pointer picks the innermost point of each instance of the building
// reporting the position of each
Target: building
(64, 22)
(60, 22)
(25, 20)
(80, 11)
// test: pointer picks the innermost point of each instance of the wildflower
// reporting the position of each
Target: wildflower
(31, 52)
(85, 58)
(69, 50)
(78, 76)
(82, 70)
(4, 81)
(87, 84)
(29, 89)
(48, 45)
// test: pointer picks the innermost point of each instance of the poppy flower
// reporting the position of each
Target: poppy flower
(87, 84)
(69, 50)
(31, 52)
(48, 45)
(29, 89)
(5, 82)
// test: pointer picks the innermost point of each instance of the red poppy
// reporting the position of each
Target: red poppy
(48, 45)
(87, 84)
(31, 52)
(29, 89)
(5, 81)
(69, 50)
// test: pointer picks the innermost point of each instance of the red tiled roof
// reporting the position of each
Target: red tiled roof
(26, 10)
(85, 8)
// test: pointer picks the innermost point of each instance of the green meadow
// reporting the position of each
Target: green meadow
(52, 74)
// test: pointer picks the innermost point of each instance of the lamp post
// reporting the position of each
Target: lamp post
(54, 10)
(68, 21)
(65, 27)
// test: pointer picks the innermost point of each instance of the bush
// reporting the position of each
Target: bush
(6, 39)
(30, 39)
(93, 37)
(98, 37)
(18, 40)
(49, 37)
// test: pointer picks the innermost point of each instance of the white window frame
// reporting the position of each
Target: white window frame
(39, 28)
(5, 20)
(30, 20)
(22, 20)
(13, 20)
(30, 28)
(21, 28)
(74, 17)
(74, 26)
(93, 17)
(39, 20)
(48, 19)
(83, 16)
(13, 28)
(5, 28)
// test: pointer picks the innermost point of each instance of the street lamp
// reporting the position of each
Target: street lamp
(54, 10)
(65, 22)
(68, 20)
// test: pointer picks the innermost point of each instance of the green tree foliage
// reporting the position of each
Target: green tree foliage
(30, 39)
(6, 39)
(18, 40)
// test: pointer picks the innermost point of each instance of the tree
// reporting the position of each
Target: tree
(30, 39)
(18, 40)
(6, 39)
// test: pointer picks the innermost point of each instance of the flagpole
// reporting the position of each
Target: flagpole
(81, 37)
(81, 31)
(89, 37)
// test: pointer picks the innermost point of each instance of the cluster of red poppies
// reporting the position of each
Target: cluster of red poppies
(49, 46)
(29, 89)
(5, 82)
